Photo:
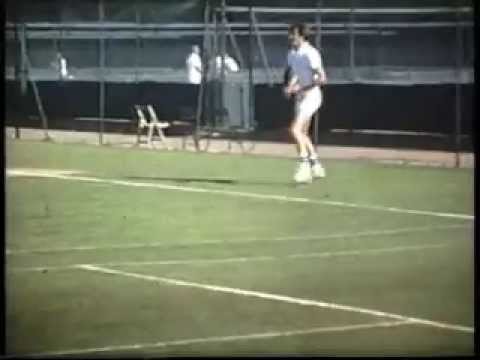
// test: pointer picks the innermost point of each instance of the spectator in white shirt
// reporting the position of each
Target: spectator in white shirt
(61, 66)
(230, 64)
(194, 66)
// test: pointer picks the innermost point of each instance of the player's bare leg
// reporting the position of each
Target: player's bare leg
(303, 173)
(318, 171)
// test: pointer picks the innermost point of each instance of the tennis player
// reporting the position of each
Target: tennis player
(306, 75)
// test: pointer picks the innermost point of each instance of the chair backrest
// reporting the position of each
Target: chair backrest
(151, 119)
(141, 116)
(152, 113)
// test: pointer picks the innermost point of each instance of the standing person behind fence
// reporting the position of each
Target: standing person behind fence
(306, 74)
(231, 66)
(194, 66)
(61, 66)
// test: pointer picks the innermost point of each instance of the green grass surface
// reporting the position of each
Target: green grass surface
(334, 254)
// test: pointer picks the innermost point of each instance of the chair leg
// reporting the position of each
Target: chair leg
(150, 136)
(163, 138)
(184, 142)
(138, 136)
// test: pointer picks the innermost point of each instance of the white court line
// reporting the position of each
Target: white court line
(16, 172)
(204, 242)
(41, 172)
(255, 336)
(240, 259)
(275, 297)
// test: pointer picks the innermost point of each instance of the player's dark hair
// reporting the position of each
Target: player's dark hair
(301, 29)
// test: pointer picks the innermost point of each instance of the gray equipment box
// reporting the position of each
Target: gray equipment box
(236, 104)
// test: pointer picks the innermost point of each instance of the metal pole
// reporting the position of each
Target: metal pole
(137, 41)
(214, 82)
(27, 67)
(210, 71)
(352, 42)
(263, 53)
(235, 46)
(317, 44)
(23, 61)
(101, 101)
(56, 47)
(379, 66)
(352, 55)
(137, 57)
(376, 10)
(251, 86)
(458, 92)
(201, 91)
(223, 45)
(318, 22)
(18, 75)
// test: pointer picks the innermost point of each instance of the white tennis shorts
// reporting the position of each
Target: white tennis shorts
(307, 104)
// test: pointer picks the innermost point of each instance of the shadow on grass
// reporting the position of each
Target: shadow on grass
(187, 180)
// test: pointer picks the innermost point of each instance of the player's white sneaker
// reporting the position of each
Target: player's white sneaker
(318, 171)
(303, 173)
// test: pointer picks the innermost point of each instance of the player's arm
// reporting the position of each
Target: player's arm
(319, 79)
(319, 76)
(290, 82)
(287, 74)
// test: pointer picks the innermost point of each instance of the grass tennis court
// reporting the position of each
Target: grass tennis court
(149, 253)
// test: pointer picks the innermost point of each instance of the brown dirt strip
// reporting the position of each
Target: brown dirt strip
(388, 156)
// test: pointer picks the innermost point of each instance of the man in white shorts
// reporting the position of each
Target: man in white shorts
(307, 74)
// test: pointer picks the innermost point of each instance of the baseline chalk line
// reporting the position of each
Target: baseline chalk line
(14, 172)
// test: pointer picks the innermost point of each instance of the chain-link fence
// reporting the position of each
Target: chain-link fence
(115, 49)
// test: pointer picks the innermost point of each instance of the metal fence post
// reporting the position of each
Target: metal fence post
(223, 52)
(317, 44)
(458, 91)
(251, 85)
(101, 101)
